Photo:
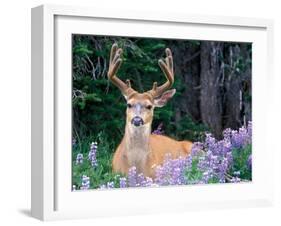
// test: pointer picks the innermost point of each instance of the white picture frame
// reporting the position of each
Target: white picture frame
(52, 197)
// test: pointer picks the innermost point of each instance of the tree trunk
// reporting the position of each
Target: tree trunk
(210, 98)
(247, 84)
(233, 93)
(187, 69)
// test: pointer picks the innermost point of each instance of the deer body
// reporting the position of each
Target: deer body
(145, 158)
(139, 147)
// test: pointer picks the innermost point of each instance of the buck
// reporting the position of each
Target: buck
(139, 147)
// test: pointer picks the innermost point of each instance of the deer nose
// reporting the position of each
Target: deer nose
(137, 121)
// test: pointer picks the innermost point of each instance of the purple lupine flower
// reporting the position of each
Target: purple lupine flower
(240, 138)
(229, 157)
(133, 180)
(210, 142)
(149, 182)
(179, 166)
(123, 182)
(172, 171)
(227, 134)
(163, 173)
(141, 182)
(85, 183)
(132, 177)
(189, 160)
(176, 176)
(137, 180)
(236, 139)
(206, 165)
(207, 175)
(92, 154)
(159, 130)
(217, 158)
(79, 159)
(110, 184)
(102, 186)
(235, 180)
(196, 148)
(222, 170)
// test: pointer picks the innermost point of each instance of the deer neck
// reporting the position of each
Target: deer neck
(137, 144)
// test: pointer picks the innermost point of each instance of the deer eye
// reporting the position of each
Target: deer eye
(149, 107)
(129, 105)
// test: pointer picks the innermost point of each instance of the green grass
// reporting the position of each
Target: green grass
(103, 172)
(240, 158)
(106, 147)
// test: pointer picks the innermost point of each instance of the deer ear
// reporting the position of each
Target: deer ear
(163, 99)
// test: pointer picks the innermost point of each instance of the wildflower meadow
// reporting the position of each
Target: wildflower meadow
(228, 160)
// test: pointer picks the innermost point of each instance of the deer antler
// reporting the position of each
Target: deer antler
(114, 64)
(167, 68)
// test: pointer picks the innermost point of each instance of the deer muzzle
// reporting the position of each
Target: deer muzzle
(137, 121)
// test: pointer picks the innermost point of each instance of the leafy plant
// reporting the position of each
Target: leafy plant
(213, 161)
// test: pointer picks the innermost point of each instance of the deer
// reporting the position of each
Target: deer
(140, 148)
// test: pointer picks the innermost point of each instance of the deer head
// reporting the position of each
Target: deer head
(140, 106)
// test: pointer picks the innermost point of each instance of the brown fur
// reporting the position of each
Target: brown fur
(144, 150)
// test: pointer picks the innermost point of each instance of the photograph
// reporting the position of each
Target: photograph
(153, 112)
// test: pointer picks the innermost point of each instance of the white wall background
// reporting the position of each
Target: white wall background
(15, 112)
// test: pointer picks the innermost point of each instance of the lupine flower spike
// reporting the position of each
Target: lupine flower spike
(92, 154)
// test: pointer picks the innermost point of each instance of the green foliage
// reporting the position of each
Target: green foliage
(239, 164)
(190, 129)
(99, 106)
(240, 159)
(103, 172)
(192, 174)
